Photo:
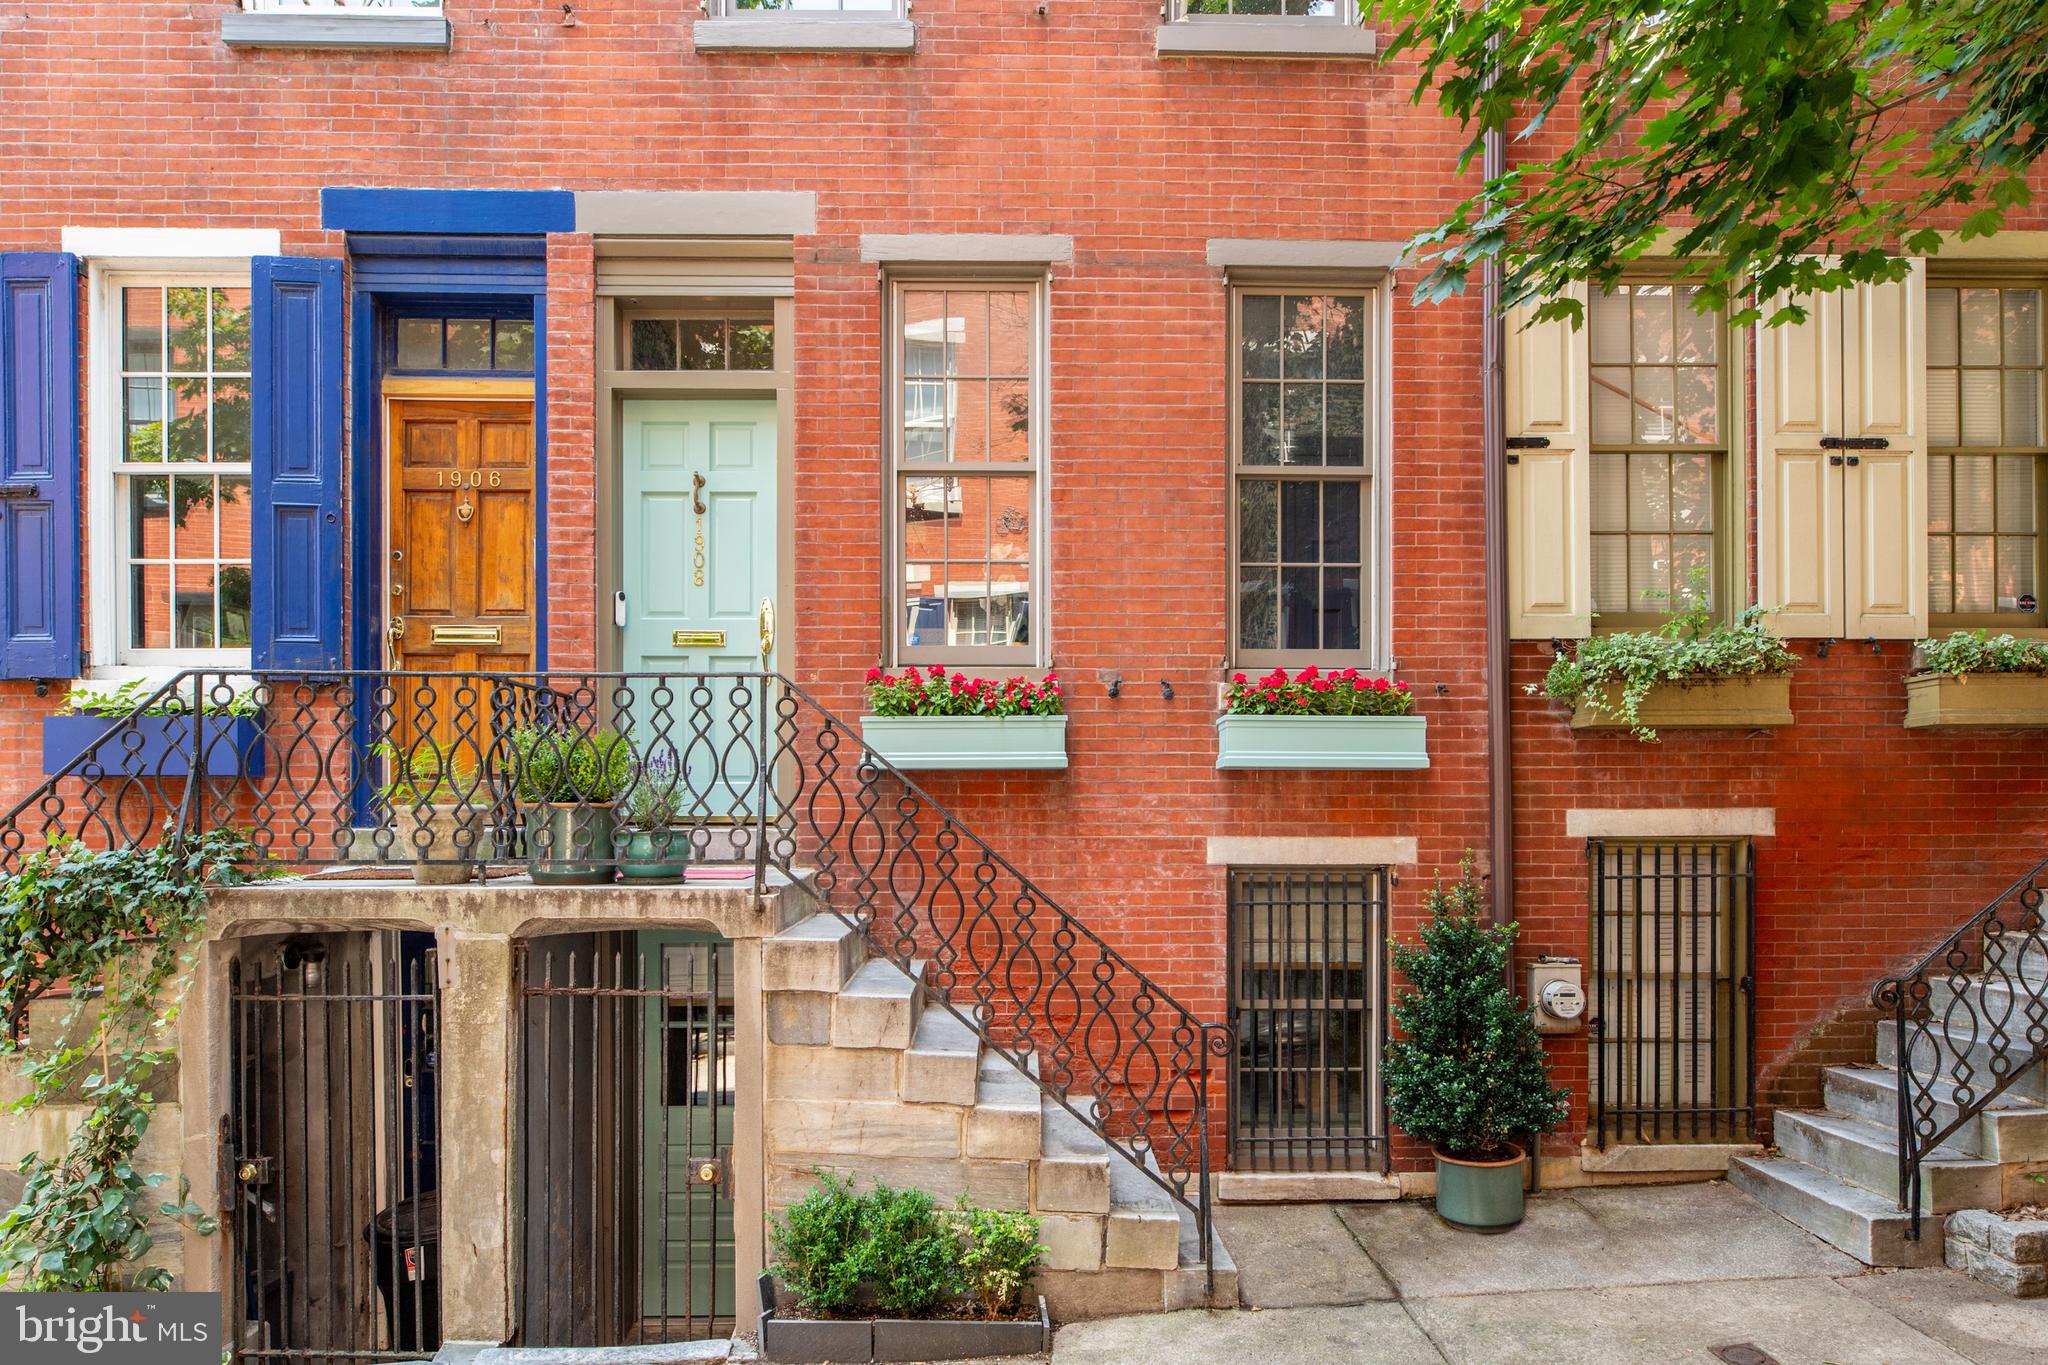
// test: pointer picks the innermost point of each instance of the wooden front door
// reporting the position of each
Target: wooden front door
(460, 576)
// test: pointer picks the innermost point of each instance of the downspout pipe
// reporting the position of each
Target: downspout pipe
(1500, 809)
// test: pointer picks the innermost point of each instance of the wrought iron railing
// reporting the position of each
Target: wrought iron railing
(1970, 1018)
(583, 776)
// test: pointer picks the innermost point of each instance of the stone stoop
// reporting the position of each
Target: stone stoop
(1836, 1171)
(865, 1077)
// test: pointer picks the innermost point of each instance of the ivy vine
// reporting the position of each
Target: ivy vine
(115, 929)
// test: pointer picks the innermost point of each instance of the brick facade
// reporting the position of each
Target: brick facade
(133, 114)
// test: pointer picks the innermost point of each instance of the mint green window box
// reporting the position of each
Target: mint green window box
(1322, 742)
(920, 743)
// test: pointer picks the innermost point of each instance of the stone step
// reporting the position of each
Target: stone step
(1190, 1284)
(879, 1006)
(1955, 1056)
(1868, 1226)
(1004, 1121)
(2012, 1000)
(820, 953)
(1144, 1221)
(943, 1062)
(2008, 1130)
(1864, 1154)
(1073, 1164)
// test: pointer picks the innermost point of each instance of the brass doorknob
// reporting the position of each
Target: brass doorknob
(707, 1174)
(396, 630)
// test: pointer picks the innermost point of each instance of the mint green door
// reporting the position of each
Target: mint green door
(698, 532)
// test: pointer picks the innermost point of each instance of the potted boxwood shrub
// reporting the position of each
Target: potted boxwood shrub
(1341, 720)
(927, 719)
(230, 736)
(1468, 1074)
(1975, 678)
(569, 779)
(1691, 673)
(653, 843)
(437, 807)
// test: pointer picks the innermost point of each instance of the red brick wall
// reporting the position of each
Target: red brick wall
(131, 113)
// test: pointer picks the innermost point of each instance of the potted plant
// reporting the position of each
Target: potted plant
(569, 779)
(1318, 720)
(1691, 673)
(653, 843)
(1468, 1073)
(928, 719)
(889, 1275)
(1975, 678)
(437, 807)
(157, 734)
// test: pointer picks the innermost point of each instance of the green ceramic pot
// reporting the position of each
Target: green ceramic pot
(1480, 1196)
(653, 855)
(576, 849)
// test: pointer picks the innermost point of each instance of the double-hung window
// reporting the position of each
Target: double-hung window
(966, 466)
(1986, 446)
(1303, 466)
(1340, 11)
(858, 8)
(1659, 453)
(369, 8)
(176, 548)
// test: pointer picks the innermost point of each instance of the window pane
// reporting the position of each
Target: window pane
(2016, 559)
(1303, 404)
(187, 436)
(1258, 608)
(1258, 521)
(231, 329)
(652, 344)
(1974, 564)
(1654, 401)
(1699, 406)
(1302, 347)
(1973, 495)
(1944, 419)
(1347, 337)
(192, 607)
(2022, 407)
(142, 415)
(1982, 327)
(925, 333)
(149, 518)
(2022, 327)
(1981, 407)
(1692, 492)
(1649, 573)
(1009, 533)
(1940, 576)
(1943, 342)
(469, 344)
(1610, 492)
(1340, 608)
(149, 606)
(1346, 417)
(1649, 492)
(1939, 492)
(1009, 418)
(1009, 334)
(2016, 494)
(1341, 536)
(513, 347)
(234, 606)
(1261, 439)
(1692, 571)
(419, 343)
(1300, 523)
(231, 421)
(188, 346)
(1698, 333)
(1650, 324)
(753, 345)
(1261, 324)
(1607, 323)
(1613, 421)
(1299, 609)
(1610, 574)
(142, 329)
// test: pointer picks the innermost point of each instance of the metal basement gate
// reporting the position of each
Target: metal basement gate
(1307, 978)
(333, 1140)
(625, 1183)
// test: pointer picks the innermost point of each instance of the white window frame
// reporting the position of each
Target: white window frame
(1347, 14)
(730, 9)
(1037, 653)
(105, 519)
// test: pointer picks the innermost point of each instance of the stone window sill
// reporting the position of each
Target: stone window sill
(787, 33)
(1274, 38)
(399, 32)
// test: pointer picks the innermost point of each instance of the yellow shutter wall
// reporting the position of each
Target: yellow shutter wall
(1549, 490)
(1884, 329)
(1799, 566)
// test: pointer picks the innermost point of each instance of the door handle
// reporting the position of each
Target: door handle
(395, 631)
(697, 494)
(767, 627)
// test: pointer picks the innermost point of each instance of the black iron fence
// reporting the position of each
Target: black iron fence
(1672, 1014)
(588, 777)
(1968, 1021)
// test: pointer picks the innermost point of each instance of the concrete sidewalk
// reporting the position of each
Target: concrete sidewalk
(1627, 1276)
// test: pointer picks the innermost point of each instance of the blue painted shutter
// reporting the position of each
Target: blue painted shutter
(39, 605)
(295, 577)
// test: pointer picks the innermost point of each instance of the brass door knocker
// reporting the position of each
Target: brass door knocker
(697, 551)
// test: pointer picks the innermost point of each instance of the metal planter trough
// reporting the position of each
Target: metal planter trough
(958, 743)
(155, 746)
(1323, 743)
(895, 1339)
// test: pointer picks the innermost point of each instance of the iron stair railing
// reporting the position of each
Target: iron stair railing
(1938, 1045)
(467, 770)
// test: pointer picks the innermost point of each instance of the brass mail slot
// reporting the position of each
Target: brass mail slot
(698, 639)
(468, 635)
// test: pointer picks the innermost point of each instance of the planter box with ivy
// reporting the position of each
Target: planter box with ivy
(1319, 721)
(157, 736)
(1691, 673)
(889, 1275)
(1976, 679)
(927, 720)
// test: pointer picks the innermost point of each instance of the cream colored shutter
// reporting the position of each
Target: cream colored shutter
(1799, 493)
(1550, 564)
(1884, 332)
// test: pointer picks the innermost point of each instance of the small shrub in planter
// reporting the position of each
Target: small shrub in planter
(229, 734)
(654, 842)
(1468, 1074)
(933, 692)
(437, 806)
(578, 775)
(929, 719)
(1975, 678)
(1613, 675)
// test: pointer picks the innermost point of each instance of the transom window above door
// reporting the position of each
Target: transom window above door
(1659, 452)
(1986, 446)
(712, 342)
(463, 345)
(966, 457)
(180, 490)
(1303, 381)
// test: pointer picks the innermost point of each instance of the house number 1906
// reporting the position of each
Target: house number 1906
(471, 478)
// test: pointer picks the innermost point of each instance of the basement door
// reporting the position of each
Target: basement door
(689, 1103)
